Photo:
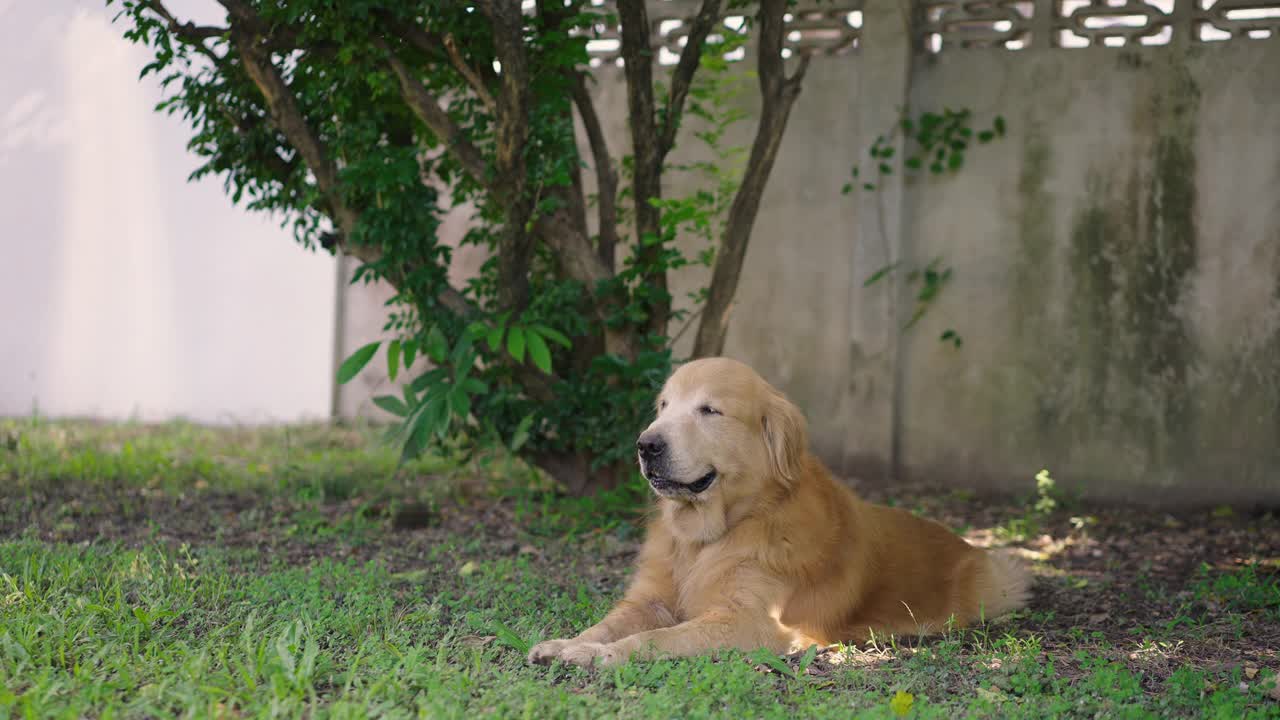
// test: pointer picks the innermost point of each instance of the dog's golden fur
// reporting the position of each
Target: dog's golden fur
(775, 552)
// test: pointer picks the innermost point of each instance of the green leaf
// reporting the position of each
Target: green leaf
(477, 330)
(765, 657)
(515, 343)
(418, 430)
(460, 402)
(409, 348)
(886, 169)
(411, 448)
(998, 124)
(553, 335)
(915, 316)
(474, 386)
(521, 435)
(807, 658)
(391, 404)
(507, 637)
(955, 161)
(538, 351)
(985, 136)
(914, 162)
(436, 411)
(428, 379)
(437, 346)
(879, 275)
(354, 364)
(462, 357)
(846, 189)
(393, 360)
(495, 337)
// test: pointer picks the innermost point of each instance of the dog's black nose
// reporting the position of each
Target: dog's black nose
(651, 446)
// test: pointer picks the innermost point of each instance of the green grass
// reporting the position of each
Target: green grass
(316, 459)
(305, 601)
(115, 632)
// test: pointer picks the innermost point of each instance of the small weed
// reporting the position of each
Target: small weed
(1045, 501)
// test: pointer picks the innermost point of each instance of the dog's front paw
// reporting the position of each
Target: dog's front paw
(588, 653)
(544, 652)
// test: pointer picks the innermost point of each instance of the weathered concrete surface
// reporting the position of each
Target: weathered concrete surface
(1117, 276)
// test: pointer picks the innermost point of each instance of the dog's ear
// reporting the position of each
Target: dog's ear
(786, 435)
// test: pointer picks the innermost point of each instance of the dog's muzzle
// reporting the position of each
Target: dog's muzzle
(672, 487)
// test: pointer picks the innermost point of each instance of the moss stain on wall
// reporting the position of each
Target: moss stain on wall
(1033, 289)
(1130, 356)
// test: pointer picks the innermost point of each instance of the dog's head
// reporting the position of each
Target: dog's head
(722, 436)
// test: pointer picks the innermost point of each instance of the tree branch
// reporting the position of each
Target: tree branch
(443, 49)
(515, 250)
(427, 108)
(558, 16)
(285, 116)
(606, 178)
(431, 44)
(427, 43)
(471, 76)
(559, 230)
(778, 95)
(288, 118)
(637, 57)
(578, 260)
(682, 77)
(188, 31)
(456, 302)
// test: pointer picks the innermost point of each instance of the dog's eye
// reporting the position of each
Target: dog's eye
(708, 410)
(662, 405)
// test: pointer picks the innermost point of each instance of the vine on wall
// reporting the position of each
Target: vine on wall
(937, 144)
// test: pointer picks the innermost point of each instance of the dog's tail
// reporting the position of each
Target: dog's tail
(1005, 584)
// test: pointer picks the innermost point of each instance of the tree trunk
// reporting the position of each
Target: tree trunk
(778, 93)
(573, 472)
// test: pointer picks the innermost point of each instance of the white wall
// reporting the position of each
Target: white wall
(126, 291)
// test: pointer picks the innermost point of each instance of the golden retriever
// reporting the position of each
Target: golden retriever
(754, 544)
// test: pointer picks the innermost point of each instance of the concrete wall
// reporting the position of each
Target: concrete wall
(1116, 258)
(126, 291)
(1117, 264)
